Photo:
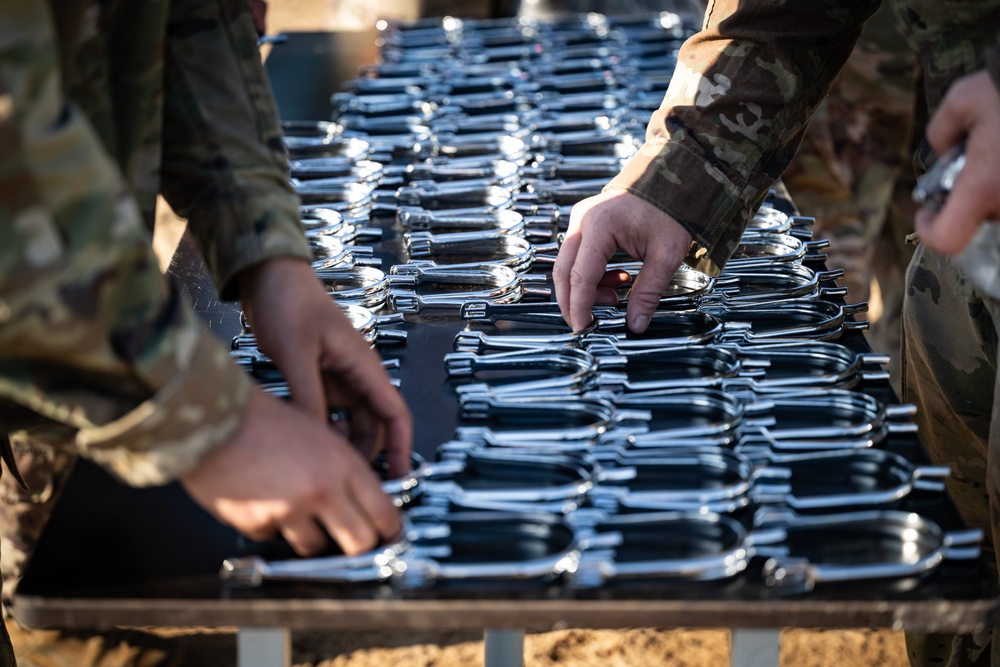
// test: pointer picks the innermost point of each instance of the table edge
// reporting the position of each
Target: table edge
(538, 615)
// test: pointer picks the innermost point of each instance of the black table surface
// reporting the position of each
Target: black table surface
(114, 555)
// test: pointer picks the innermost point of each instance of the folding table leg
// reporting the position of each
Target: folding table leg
(263, 647)
(504, 648)
(754, 648)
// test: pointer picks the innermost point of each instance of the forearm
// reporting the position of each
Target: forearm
(224, 165)
(735, 111)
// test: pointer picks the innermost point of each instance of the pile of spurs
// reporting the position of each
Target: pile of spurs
(746, 433)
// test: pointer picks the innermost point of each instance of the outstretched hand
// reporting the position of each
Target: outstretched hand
(327, 364)
(970, 109)
(600, 226)
(285, 471)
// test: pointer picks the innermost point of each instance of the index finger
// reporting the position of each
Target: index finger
(355, 369)
(386, 403)
(580, 273)
(586, 273)
(562, 268)
(360, 516)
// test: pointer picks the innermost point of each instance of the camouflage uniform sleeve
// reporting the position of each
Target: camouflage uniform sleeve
(224, 166)
(951, 38)
(735, 112)
(93, 339)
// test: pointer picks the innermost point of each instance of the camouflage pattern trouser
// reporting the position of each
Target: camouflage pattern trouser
(45, 468)
(6, 650)
(24, 514)
(950, 373)
(853, 175)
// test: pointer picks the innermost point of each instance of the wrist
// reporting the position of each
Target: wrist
(251, 279)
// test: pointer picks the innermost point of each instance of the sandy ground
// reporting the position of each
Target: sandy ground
(188, 647)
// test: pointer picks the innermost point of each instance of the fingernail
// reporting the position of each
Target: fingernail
(640, 323)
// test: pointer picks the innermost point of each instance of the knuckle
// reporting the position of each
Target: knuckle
(260, 527)
(645, 301)
(359, 541)
(259, 535)
(386, 514)
(311, 494)
(560, 270)
(369, 540)
(645, 298)
(578, 278)
(958, 95)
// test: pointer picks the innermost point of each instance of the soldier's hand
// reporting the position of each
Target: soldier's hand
(599, 227)
(970, 109)
(285, 471)
(327, 364)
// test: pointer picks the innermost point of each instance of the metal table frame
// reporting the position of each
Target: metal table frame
(271, 647)
(265, 624)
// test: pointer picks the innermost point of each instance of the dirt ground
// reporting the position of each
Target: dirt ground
(190, 647)
(194, 647)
